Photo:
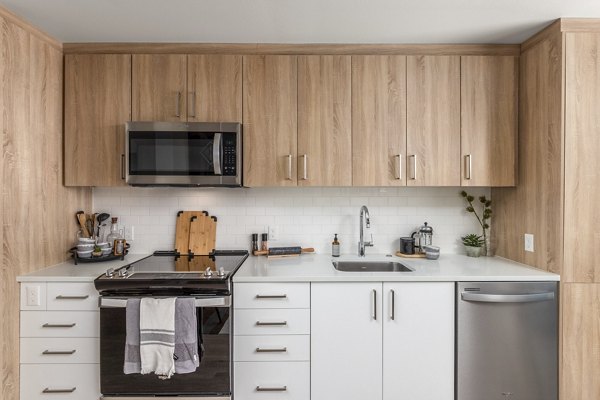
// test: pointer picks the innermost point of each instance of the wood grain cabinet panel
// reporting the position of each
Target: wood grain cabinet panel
(270, 120)
(214, 88)
(378, 120)
(159, 87)
(582, 165)
(489, 120)
(433, 120)
(97, 105)
(324, 121)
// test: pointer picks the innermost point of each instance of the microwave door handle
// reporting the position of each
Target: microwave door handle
(217, 141)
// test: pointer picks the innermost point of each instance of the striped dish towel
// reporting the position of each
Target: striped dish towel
(157, 336)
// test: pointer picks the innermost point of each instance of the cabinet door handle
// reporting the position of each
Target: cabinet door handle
(468, 166)
(271, 389)
(48, 325)
(49, 391)
(193, 106)
(271, 296)
(289, 175)
(393, 308)
(62, 297)
(413, 175)
(123, 166)
(398, 158)
(279, 323)
(305, 167)
(177, 105)
(375, 304)
(281, 350)
(54, 353)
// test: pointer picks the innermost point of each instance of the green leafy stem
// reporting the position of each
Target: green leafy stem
(482, 218)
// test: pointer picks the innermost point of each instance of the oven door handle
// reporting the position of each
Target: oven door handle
(217, 143)
(109, 302)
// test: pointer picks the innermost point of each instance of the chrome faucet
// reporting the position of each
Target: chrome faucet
(364, 214)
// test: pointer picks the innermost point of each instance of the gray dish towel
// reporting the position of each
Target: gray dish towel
(186, 355)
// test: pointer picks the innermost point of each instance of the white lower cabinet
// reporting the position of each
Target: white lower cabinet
(385, 341)
(60, 381)
(272, 380)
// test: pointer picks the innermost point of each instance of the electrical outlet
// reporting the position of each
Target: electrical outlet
(529, 242)
(33, 295)
(273, 233)
(129, 233)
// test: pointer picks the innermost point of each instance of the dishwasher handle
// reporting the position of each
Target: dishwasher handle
(507, 298)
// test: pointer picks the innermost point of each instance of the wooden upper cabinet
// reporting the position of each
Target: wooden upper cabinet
(378, 120)
(159, 87)
(433, 120)
(489, 90)
(214, 88)
(97, 105)
(270, 120)
(324, 121)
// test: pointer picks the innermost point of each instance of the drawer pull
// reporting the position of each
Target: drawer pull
(46, 325)
(282, 323)
(55, 353)
(281, 350)
(271, 296)
(48, 390)
(61, 297)
(271, 389)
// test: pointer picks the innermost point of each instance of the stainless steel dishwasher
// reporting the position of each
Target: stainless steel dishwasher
(507, 341)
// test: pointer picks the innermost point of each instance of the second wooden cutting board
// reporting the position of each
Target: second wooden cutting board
(182, 230)
(203, 232)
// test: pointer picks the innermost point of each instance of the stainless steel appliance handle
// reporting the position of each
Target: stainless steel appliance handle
(278, 323)
(281, 350)
(271, 389)
(54, 353)
(48, 325)
(468, 166)
(271, 296)
(398, 166)
(107, 302)
(177, 104)
(393, 309)
(289, 175)
(305, 168)
(123, 166)
(217, 144)
(507, 298)
(375, 304)
(62, 297)
(50, 391)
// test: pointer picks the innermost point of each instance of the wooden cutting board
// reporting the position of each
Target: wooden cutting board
(182, 230)
(203, 233)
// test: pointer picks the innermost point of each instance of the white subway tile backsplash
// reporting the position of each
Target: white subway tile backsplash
(303, 216)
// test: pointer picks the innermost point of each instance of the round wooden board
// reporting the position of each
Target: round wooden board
(410, 255)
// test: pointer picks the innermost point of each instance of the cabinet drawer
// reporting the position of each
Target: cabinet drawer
(272, 295)
(71, 296)
(73, 382)
(60, 351)
(272, 322)
(271, 348)
(286, 380)
(84, 324)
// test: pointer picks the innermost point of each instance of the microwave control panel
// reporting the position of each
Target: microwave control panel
(229, 154)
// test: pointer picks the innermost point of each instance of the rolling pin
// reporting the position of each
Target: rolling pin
(284, 251)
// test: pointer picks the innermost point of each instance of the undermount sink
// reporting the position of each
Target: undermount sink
(371, 266)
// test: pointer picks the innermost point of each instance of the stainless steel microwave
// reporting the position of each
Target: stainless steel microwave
(183, 154)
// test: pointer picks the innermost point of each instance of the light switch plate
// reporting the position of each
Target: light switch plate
(529, 242)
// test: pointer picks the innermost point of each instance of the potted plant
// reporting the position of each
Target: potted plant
(486, 214)
(473, 244)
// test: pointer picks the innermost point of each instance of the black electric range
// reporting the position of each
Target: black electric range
(167, 273)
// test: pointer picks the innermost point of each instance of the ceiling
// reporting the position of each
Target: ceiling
(297, 21)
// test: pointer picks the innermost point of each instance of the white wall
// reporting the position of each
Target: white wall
(304, 216)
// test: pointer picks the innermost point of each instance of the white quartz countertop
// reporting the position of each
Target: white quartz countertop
(82, 272)
(448, 268)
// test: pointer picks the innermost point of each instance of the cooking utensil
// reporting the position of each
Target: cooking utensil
(89, 224)
(424, 237)
(182, 231)
(101, 218)
(81, 218)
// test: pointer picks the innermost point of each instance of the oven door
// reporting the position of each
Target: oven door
(213, 376)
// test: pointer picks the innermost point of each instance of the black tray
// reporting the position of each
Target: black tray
(108, 257)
